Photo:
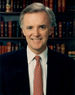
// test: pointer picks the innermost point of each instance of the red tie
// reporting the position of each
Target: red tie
(38, 81)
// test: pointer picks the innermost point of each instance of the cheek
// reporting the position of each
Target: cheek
(26, 33)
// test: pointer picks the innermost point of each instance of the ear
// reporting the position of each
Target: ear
(51, 31)
(23, 32)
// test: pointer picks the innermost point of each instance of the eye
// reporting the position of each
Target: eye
(43, 26)
(29, 27)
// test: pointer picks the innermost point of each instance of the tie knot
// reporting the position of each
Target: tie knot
(37, 58)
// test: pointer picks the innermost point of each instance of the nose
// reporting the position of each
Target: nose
(36, 32)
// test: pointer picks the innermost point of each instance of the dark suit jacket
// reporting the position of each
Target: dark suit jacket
(14, 79)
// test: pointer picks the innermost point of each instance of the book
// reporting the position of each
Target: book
(14, 5)
(70, 33)
(63, 7)
(0, 48)
(20, 5)
(63, 48)
(71, 54)
(5, 29)
(0, 6)
(67, 28)
(46, 2)
(74, 28)
(9, 28)
(14, 29)
(3, 5)
(24, 4)
(11, 5)
(55, 6)
(8, 44)
(18, 30)
(58, 48)
(51, 4)
(59, 5)
(2, 28)
(63, 29)
(60, 29)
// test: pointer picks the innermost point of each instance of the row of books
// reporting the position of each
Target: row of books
(18, 5)
(56, 5)
(61, 48)
(12, 29)
(71, 54)
(64, 29)
(9, 47)
(58, 47)
(12, 46)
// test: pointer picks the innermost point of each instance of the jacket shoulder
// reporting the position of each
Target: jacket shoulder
(58, 57)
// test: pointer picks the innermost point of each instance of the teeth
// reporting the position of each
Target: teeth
(35, 39)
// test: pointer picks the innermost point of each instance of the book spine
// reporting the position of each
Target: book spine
(63, 48)
(18, 34)
(11, 5)
(46, 2)
(8, 46)
(63, 29)
(3, 49)
(9, 28)
(55, 6)
(20, 5)
(14, 5)
(3, 5)
(2, 28)
(67, 28)
(59, 5)
(63, 5)
(0, 48)
(6, 29)
(24, 4)
(0, 6)
(51, 4)
(70, 33)
(71, 54)
(58, 48)
(56, 31)
(74, 28)
(14, 29)
(60, 29)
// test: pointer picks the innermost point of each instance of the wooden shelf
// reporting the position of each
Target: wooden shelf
(10, 13)
(12, 38)
(23, 38)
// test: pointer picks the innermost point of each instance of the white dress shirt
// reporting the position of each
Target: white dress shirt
(31, 67)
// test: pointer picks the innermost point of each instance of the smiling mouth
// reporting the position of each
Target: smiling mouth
(36, 38)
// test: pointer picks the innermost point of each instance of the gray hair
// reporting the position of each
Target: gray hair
(37, 7)
(52, 15)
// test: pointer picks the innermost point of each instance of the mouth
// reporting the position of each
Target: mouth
(36, 38)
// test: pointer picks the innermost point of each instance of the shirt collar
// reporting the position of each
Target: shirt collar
(31, 55)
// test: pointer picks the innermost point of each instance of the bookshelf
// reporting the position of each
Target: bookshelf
(63, 37)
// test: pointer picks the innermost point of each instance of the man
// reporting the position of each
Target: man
(17, 68)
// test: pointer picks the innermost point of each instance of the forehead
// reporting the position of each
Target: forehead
(36, 17)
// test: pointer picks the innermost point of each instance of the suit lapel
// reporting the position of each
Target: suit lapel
(55, 74)
(24, 77)
(50, 74)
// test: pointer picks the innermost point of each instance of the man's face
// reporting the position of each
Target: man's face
(36, 29)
